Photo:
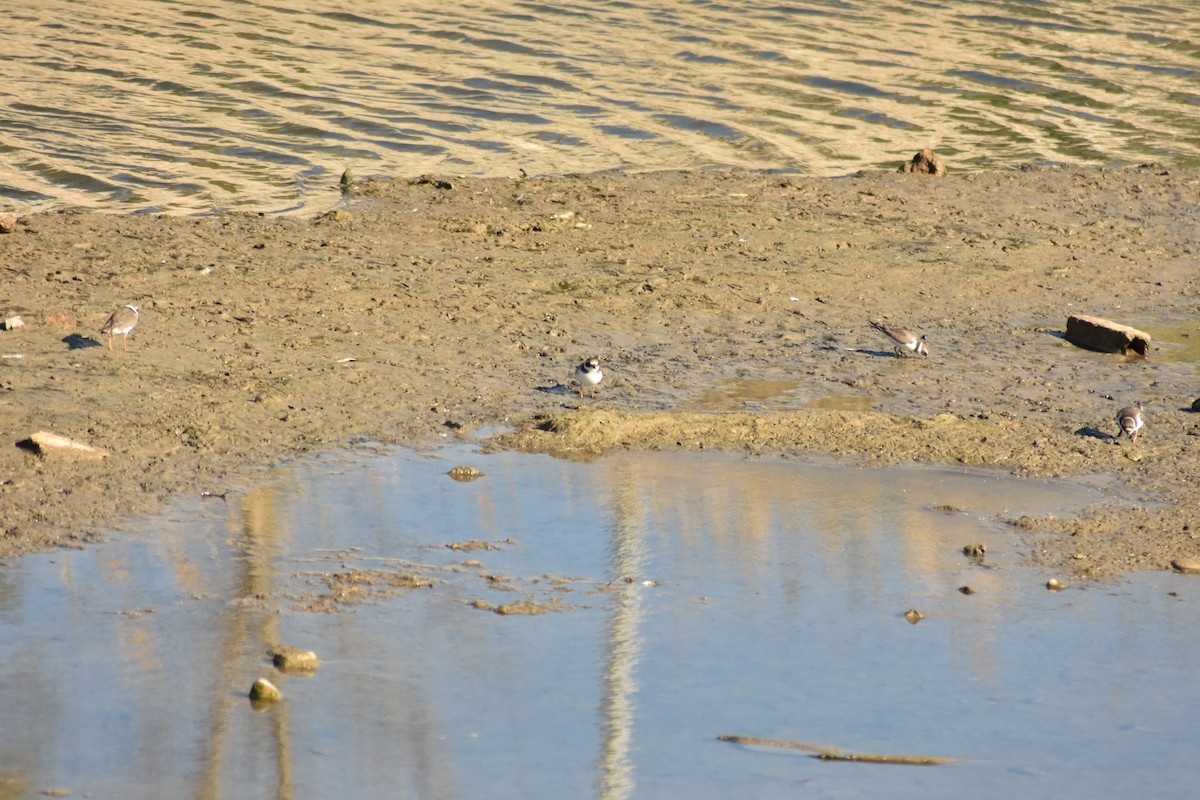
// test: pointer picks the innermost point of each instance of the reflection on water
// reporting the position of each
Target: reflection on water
(189, 106)
(696, 596)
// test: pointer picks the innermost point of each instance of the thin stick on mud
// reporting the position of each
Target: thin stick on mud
(826, 753)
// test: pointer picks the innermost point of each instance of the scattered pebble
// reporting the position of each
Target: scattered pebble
(12, 323)
(1055, 585)
(913, 616)
(966, 590)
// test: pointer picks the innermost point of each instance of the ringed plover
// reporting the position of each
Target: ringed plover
(905, 339)
(122, 321)
(1130, 419)
(589, 376)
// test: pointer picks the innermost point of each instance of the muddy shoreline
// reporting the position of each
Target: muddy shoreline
(431, 309)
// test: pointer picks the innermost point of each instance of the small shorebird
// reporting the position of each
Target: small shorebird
(906, 340)
(122, 321)
(1131, 420)
(589, 376)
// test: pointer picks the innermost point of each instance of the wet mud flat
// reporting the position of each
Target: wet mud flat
(425, 309)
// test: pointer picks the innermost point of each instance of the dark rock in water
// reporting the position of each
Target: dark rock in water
(465, 473)
(976, 551)
(1093, 333)
(925, 162)
(263, 693)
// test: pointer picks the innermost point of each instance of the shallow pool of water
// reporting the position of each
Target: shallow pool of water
(691, 597)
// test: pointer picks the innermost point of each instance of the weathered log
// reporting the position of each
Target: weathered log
(1094, 333)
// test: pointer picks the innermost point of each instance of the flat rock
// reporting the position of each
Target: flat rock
(1094, 333)
(292, 659)
(46, 443)
(1188, 566)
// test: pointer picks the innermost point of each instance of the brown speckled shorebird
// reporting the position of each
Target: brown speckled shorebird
(122, 321)
(1131, 420)
(589, 376)
(907, 340)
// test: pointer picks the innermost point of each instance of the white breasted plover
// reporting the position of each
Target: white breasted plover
(907, 340)
(122, 321)
(589, 375)
(1131, 420)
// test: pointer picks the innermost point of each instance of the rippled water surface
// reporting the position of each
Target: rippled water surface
(190, 107)
(693, 597)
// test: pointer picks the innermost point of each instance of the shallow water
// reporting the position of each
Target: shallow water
(1175, 342)
(190, 107)
(697, 596)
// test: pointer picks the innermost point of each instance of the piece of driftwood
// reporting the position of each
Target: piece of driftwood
(47, 443)
(1105, 336)
(834, 754)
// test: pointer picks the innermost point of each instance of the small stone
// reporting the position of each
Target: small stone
(523, 607)
(465, 473)
(265, 692)
(925, 162)
(1055, 585)
(293, 659)
(966, 590)
(913, 616)
(12, 323)
(974, 551)
(8, 222)
(1196, 404)
(1187, 566)
(338, 216)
